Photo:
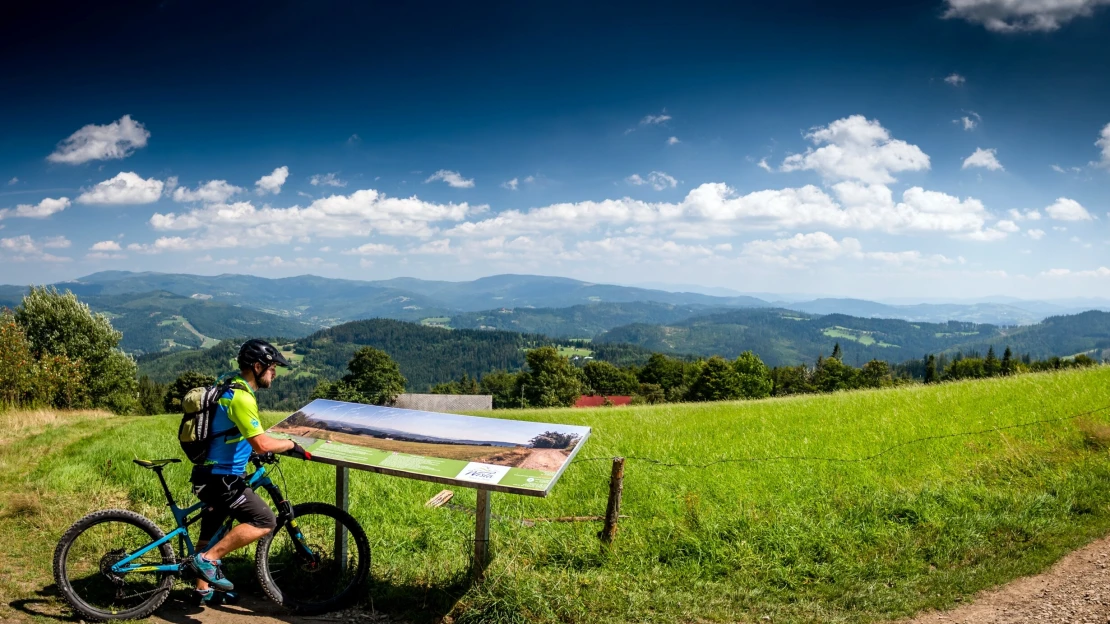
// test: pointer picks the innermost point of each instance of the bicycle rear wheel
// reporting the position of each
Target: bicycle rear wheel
(86, 553)
(331, 576)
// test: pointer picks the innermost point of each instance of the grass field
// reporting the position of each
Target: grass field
(925, 525)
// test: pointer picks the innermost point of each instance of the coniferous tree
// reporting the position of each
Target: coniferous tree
(991, 366)
(931, 369)
(837, 353)
(1007, 362)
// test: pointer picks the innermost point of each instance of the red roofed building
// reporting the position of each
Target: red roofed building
(599, 401)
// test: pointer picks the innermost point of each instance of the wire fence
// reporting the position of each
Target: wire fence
(846, 460)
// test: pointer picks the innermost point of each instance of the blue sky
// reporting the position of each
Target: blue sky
(951, 148)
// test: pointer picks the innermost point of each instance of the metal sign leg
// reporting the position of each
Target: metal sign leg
(481, 534)
(342, 483)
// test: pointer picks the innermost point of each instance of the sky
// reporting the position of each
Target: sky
(944, 148)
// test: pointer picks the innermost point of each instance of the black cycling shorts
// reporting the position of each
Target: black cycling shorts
(229, 495)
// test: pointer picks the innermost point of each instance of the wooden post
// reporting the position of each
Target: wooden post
(481, 534)
(612, 512)
(342, 487)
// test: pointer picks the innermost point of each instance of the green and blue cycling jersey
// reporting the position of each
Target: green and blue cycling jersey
(238, 411)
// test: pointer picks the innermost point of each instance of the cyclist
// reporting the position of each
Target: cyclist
(220, 483)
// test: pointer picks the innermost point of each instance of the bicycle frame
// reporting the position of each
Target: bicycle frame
(257, 479)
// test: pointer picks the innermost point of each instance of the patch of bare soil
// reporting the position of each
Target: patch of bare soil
(1075, 590)
(545, 459)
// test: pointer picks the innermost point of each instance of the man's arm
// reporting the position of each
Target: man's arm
(243, 412)
(263, 443)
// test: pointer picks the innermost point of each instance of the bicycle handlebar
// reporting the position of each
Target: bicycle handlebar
(263, 458)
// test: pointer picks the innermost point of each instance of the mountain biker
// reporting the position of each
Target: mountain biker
(220, 483)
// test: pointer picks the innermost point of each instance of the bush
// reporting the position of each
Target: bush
(181, 386)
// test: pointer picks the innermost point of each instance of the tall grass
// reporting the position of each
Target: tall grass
(923, 526)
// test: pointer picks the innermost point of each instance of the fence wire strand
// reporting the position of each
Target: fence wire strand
(843, 460)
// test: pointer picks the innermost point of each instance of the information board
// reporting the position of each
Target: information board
(470, 451)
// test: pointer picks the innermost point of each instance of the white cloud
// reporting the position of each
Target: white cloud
(1012, 16)
(673, 141)
(452, 178)
(354, 139)
(13, 181)
(955, 79)
(126, 188)
(985, 158)
(511, 184)
(211, 192)
(26, 249)
(1028, 215)
(436, 247)
(969, 121)
(1035, 234)
(1065, 209)
(802, 250)
(1099, 272)
(657, 179)
(654, 120)
(1007, 226)
(359, 214)
(762, 164)
(1104, 143)
(329, 179)
(279, 262)
(104, 255)
(272, 183)
(856, 148)
(108, 245)
(41, 210)
(372, 249)
(111, 141)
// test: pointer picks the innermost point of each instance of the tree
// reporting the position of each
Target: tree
(605, 379)
(649, 393)
(831, 375)
(875, 374)
(181, 386)
(717, 381)
(837, 354)
(465, 385)
(152, 396)
(503, 387)
(931, 369)
(59, 325)
(374, 376)
(550, 381)
(16, 364)
(787, 380)
(991, 366)
(663, 371)
(754, 376)
(1007, 361)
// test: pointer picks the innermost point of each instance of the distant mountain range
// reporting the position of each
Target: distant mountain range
(319, 301)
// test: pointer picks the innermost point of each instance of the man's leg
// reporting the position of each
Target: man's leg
(255, 518)
(240, 536)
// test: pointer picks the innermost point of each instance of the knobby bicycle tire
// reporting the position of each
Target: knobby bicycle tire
(290, 599)
(71, 595)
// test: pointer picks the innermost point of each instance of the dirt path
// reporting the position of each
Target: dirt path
(545, 459)
(253, 610)
(1075, 590)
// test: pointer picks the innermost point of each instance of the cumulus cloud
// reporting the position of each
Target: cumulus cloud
(985, 158)
(856, 148)
(41, 210)
(1007, 226)
(654, 120)
(658, 180)
(762, 164)
(802, 250)
(361, 213)
(212, 192)
(118, 139)
(329, 179)
(510, 184)
(108, 245)
(955, 79)
(1028, 215)
(127, 187)
(452, 178)
(372, 249)
(26, 249)
(13, 181)
(1014, 16)
(1104, 143)
(272, 183)
(1035, 234)
(673, 141)
(1065, 209)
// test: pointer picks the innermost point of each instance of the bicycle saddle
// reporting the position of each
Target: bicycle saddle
(156, 463)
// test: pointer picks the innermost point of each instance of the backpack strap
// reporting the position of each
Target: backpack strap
(230, 385)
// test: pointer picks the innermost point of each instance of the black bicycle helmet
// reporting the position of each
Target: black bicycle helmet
(260, 351)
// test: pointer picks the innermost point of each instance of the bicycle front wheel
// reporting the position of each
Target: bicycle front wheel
(317, 563)
(88, 550)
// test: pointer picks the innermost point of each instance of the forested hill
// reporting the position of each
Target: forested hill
(580, 321)
(426, 356)
(785, 337)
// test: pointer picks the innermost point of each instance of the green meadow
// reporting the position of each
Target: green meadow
(925, 525)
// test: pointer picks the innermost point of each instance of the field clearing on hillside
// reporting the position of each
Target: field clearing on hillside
(924, 525)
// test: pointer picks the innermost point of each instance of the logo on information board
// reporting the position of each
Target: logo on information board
(482, 473)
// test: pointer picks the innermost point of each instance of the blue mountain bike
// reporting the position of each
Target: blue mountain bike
(117, 564)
